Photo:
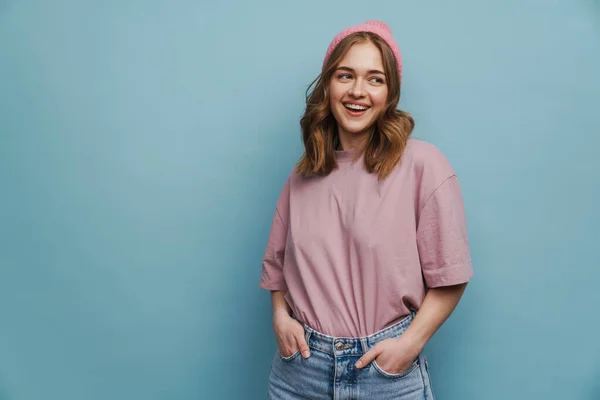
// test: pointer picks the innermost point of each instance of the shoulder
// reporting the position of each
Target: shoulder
(424, 153)
(294, 177)
(294, 181)
(427, 159)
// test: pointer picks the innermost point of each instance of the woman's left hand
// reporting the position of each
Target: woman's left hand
(394, 356)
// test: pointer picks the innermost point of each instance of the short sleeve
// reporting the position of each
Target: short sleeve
(272, 265)
(442, 237)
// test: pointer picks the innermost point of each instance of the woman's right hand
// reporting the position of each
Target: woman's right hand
(290, 335)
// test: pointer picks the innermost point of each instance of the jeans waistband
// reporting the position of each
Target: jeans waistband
(343, 346)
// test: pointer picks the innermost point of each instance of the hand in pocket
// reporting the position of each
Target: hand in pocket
(290, 336)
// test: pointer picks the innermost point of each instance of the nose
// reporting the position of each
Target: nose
(357, 89)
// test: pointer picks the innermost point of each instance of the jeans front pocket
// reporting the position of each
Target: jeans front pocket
(289, 358)
(388, 375)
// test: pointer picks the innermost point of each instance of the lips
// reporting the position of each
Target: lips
(355, 110)
(358, 107)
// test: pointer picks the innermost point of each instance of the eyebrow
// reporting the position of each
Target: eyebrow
(371, 71)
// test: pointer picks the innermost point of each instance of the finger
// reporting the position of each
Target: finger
(288, 346)
(303, 346)
(368, 357)
(288, 350)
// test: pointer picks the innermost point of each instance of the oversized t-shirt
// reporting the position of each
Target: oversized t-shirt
(355, 254)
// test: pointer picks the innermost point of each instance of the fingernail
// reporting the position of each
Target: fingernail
(306, 354)
(358, 364)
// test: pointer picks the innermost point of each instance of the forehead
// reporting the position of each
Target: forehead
(363, 56)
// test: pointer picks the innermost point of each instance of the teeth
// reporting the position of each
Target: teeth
(356, 107)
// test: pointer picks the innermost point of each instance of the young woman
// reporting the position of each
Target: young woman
(368, 254)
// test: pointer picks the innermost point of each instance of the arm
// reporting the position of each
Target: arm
(445, 260)
(288, 332)
(396, 355)
(280, 306)
(272, 265)
(439, 303)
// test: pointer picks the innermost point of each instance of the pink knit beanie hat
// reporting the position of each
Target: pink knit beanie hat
(379, 28)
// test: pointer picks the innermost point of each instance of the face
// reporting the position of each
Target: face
(358, 92)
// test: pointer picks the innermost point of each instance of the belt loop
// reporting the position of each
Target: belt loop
(307, 333)
(365, 346)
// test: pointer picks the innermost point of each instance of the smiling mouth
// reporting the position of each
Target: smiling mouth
(355, 107)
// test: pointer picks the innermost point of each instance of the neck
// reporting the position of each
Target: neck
(352, 141)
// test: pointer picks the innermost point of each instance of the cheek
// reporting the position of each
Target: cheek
(335, 94)
(379, 98)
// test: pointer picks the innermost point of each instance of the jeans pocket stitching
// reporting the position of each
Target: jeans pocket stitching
(387, 375)
(290, 358)
(428, 377)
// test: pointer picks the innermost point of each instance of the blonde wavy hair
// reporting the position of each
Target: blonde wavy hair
(385, 145)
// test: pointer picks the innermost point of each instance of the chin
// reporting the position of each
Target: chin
(356, 129)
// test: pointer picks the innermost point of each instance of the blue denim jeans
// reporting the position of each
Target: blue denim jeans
(329, 373)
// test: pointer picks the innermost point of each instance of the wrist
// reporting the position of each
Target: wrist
(281, 312)
(414, 342)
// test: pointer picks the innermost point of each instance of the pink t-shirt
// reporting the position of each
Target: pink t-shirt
(355, 254)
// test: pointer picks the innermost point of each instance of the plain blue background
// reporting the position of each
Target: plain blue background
(143, 145)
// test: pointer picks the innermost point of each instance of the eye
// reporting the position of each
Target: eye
(344, 76)
(377, 80)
